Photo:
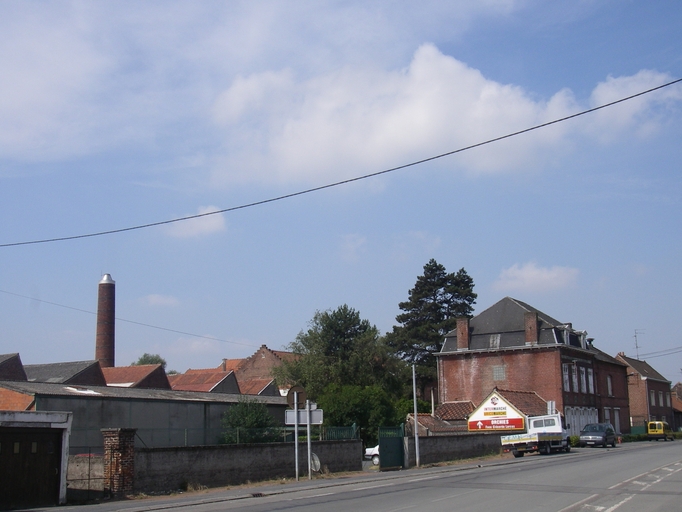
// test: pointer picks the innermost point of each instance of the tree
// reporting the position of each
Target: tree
(369, 407)
(248, 421)
(341, 348)
(431, 311)
(150, 359)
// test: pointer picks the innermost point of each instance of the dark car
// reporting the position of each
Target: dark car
(598, 434)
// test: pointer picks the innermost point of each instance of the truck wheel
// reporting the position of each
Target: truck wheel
(375, 460)
(568, 446)
(545, 450)
(517, 453)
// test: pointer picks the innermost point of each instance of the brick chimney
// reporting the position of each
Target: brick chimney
(462, 334)
(106, 317)
(530, 320)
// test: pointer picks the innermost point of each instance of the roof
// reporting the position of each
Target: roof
(198, 380)
(11, 367)
(57, 372)
(227, 365)
(677, 404)
(503, 326)
(642, 367)
(454, 411)
(254, 386)
(134, 376)
(527, 402)
(433, 424)
(50, 389)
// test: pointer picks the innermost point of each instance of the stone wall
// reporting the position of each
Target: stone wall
(435, 449)
(167, 469)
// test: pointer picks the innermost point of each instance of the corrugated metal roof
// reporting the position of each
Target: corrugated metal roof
(56, 372)
(48, 389)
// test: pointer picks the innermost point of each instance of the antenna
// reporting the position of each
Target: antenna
(637, 331)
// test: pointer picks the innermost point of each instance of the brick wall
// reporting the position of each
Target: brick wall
(166, 469)
(119, 461)
(13, 401)
(436, 449)
(472, 377)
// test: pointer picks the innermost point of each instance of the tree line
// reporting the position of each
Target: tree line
(357, 375)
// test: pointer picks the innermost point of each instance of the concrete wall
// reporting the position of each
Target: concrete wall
(159, 422)
(165, 469)
(435, 449)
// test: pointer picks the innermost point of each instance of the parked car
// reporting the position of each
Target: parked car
(373, 453)
(598, 434)
(659, 430)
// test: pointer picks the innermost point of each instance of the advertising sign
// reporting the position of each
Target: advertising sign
(496, 414)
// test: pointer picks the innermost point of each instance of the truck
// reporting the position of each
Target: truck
(544, 434)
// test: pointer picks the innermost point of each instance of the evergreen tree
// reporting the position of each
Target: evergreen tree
(431, 311)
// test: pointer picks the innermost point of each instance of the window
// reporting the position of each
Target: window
(16, 447)
(537, 424)
(574, 374)
(583, 380)
(616, 419)
(34, 447)
(652, 398)
(660, 398)
(550, 422)
(609, 385)
(667, 399)
(607, 415)
(590, 381)
(567, 379)
(494, 341)
(499, 373)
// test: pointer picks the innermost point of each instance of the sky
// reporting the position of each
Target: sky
(120, 114)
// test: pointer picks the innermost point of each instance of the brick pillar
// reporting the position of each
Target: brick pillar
(462, 333)
(530, 320)
(119, 461)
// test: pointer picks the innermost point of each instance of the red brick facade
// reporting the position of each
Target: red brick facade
(14, 401)
(119, 461)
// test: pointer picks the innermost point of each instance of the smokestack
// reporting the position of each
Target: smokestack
(106, 316)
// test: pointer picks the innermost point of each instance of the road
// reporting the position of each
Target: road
(631, 477)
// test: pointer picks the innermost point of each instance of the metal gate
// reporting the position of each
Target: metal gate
(391, 455)
(30, 463)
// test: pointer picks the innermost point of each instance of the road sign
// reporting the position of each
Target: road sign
(497, 424)
(315, 417)
(302, 395)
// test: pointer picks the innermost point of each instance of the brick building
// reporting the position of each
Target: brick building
(649, 391)
(512, 345)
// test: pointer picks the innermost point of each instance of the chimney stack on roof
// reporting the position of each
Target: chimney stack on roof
(106, 317)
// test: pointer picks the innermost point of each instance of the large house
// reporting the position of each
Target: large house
(511, 345)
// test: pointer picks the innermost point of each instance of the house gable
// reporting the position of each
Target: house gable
(11, 367)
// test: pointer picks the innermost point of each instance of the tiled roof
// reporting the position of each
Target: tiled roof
(41, 388)
(434, 424)
(128, 376)
(677, 404)
(454, 411)
(198, 380)
(527, 402)
(253, 386)
(230, 365)
(642, 367)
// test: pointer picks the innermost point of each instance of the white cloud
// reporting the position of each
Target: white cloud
(641, 112)
(160, 300)
(201, 226)
(530, 277)
(356, 120)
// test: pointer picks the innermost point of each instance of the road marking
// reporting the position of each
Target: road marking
(372, 487)
(312, 496)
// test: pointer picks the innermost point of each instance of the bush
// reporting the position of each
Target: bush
(249, 421)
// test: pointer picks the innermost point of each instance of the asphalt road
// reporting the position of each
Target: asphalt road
(631, 477)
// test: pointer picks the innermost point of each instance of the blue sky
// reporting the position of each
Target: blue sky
(116, 114)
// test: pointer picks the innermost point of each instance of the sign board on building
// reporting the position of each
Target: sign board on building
(496, 414)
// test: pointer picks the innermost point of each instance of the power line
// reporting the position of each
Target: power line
(128, 321)
(661, 353)
(343, 182)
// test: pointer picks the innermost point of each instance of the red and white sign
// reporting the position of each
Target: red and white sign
(496, 414)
